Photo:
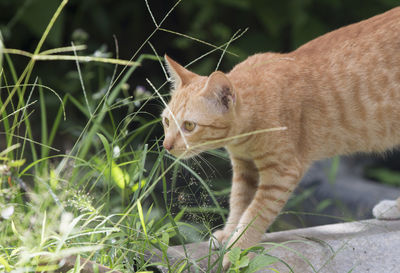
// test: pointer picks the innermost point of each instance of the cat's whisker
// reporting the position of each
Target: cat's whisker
(195, 156)
(197, 163)
(211, 166)
(222, 140)
(199, 157)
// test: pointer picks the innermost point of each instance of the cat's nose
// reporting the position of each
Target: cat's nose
(168, 145)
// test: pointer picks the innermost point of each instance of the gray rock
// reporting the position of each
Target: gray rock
(349, 191)
(357, 247)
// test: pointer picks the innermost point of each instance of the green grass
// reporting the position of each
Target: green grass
(97, 200)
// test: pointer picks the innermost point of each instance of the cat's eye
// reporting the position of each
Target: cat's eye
(189, 126)
(166, 122)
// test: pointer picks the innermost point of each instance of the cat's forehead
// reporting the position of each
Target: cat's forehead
(194, 86)
(184, 108)
(186, 98)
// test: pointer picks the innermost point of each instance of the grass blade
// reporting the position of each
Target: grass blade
(140, 210)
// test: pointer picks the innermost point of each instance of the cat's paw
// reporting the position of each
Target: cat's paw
(386, 210)
(226, 263)
(218, 239)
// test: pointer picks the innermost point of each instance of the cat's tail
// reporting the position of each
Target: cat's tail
(387, 210)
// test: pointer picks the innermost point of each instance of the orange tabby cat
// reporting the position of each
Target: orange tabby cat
(337, 94)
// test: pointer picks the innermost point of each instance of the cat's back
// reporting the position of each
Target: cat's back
(381, 32)
(337, 94)
(353, 73)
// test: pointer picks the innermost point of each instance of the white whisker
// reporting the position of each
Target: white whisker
(208, 164)
(239, 136)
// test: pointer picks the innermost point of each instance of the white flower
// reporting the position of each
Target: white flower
(116, 151)
(66, 219)
(4, 169)
(7, 212)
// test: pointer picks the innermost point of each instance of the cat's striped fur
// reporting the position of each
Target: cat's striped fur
(337, 94)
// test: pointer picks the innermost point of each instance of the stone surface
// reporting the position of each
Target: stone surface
(357, 247)
(350, 193)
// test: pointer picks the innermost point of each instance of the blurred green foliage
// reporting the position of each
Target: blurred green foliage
(385, 175)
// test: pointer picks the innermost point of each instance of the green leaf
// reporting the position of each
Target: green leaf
(150, 223)
(259, 262)
(9, 149)
(77, 264)
(16, 163)
(15, 231)
(6, 265)
(234, 255)
(135, 187)
(165, 238)
(182, 267)
(95, 268)
(140, 210)
(106, 145)
(334, 169)
(323, 205)
(53, 179)
(178, 217)
(43, 119)
(164, 241)
(244, 261)
(118, 176)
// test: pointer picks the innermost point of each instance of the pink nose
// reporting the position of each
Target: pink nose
(168, 145)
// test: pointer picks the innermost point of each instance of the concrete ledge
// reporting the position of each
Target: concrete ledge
(357, 247)
(365, 246)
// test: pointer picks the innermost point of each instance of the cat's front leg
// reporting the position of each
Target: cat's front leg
(244, 185)
(277, 182)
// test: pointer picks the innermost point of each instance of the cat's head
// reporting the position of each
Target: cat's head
(200, 113)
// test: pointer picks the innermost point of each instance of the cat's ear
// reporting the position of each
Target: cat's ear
(219, 90)
(179, 76)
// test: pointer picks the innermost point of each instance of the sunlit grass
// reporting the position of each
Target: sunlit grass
(57, 205)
